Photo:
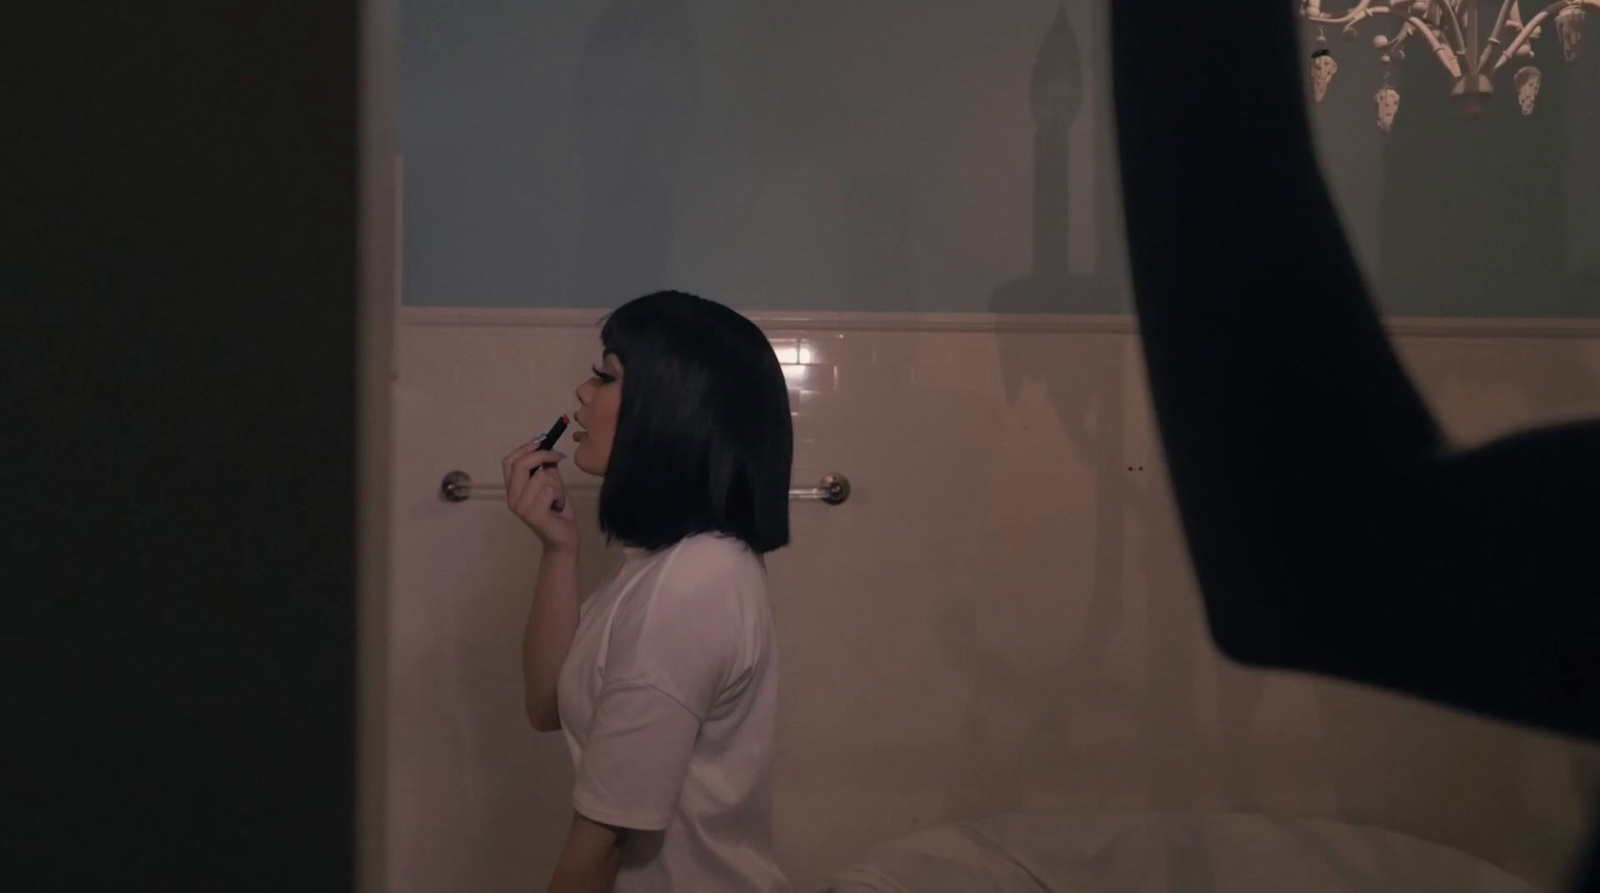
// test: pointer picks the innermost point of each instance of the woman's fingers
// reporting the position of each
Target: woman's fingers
(543, 497)
(552, 470)
(522, 468)
(533, 503)
(535, 497)
(522, 452)
(516, 454)
(558, 488)
(554, 492)
(526, 463)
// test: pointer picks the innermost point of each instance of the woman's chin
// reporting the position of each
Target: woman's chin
(585, 465)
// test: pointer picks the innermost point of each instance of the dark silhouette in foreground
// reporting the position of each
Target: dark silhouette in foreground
(1332, 528)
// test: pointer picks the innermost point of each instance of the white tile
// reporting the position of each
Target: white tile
(1002, 616)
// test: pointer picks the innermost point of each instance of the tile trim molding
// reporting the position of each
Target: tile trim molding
(975, 323)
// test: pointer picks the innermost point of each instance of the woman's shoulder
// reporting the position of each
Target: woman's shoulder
(715, 552)
(710, 561)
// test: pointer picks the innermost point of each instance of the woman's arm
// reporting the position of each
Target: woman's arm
(1331, 527)
(547, 637)
(590, 859)
(536, 494)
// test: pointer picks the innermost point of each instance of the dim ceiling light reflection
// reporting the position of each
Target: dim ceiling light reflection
(792, 353)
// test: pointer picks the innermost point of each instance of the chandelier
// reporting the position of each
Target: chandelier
(1452, 32)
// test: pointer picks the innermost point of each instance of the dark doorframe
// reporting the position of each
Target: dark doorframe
(196, 419)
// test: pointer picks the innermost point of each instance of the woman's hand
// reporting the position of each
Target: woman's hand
(537, 495)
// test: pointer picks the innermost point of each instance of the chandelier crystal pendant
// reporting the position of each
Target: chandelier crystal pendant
(1527, 82)
(1471, 49)
(1388, 99)
(1323, 68)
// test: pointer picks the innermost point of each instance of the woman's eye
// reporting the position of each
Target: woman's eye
(604, 378)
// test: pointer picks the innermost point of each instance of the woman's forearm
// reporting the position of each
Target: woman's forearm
(591, 859)
(1331, 527)
(552, 620)
(1275, 387)
(1255, 314)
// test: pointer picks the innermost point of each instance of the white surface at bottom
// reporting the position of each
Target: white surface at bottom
(1150, 852)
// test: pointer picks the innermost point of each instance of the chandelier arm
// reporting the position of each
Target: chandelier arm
(1445, 54)
(1367, 11)
(1495, 32)
(1527, 29)
(1406, 32)
(1350, 17)
(1460, 46)
(1371, 12)
(1354, 19)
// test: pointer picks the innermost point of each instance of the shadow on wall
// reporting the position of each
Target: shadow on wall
(1056, 96)
(1182, 757)
(1093, 421)
(638, 89)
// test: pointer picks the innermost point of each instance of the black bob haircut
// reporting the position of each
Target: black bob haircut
(704, 440)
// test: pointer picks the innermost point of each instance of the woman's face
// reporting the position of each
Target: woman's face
(599, 402)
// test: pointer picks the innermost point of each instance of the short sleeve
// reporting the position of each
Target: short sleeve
(636, 758)
(684, 638)
(671, 654)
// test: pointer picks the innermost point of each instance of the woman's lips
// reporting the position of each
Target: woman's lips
(577, 436)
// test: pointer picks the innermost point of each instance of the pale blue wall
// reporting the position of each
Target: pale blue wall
(870, 155)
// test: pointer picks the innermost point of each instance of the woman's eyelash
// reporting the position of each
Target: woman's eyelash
(599, 374)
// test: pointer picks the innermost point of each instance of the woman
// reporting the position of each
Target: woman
(664, 682)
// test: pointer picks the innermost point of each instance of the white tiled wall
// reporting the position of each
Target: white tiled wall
(1000, 618)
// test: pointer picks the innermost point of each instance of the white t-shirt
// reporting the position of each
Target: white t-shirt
(668, 701)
